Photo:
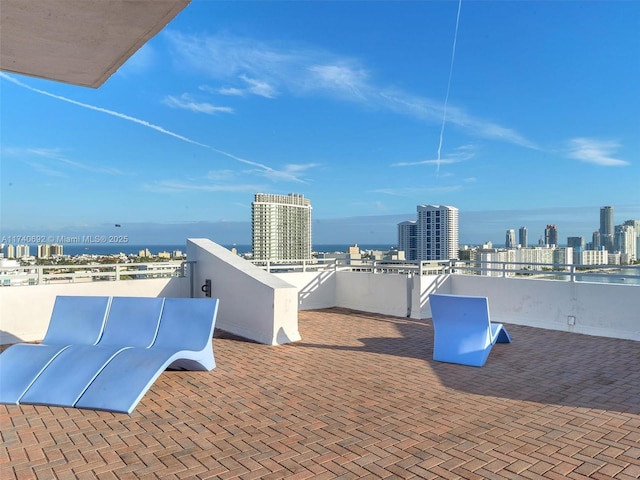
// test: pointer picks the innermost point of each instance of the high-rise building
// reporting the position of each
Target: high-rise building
(438, 232)
(551, 235)
(44, 251)
(281, 227)
(510, 240)
(606, 228)
(23, 251)
(576, 242)
(408, 239)
(625, 241)
(636, 226)
(596, 241)
(523, 237)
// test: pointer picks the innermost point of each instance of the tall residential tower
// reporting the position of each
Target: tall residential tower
(551, 236)
(438, 232)
(281, 227)
(408, 239)
(607, 228)
(523, 237)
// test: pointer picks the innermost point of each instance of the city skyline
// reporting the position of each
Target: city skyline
(376, 230)
(499, 108)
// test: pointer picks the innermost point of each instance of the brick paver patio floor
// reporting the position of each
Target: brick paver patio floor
(358, 397)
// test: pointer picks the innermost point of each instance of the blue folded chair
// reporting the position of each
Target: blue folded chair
(463, 332)
(183, 341)
(74, 321)
(131, 322)
(105, 353)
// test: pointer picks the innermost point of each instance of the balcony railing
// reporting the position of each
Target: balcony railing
(49, 274)
(629, 274)
(46, 274)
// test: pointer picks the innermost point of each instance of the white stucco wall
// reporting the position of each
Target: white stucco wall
(264, 307)
(603, 309)
(315, 289)
(253, 303)
(25, 311)
(381, 293)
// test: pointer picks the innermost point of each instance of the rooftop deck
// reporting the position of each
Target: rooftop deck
(358, 397)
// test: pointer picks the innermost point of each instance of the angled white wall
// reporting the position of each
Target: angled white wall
(253, 303)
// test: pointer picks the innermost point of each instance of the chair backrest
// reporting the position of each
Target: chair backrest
(454, 315)
(76, 320)
(187, 323)
(132, 321)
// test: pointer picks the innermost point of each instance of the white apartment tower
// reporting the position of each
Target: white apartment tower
(625, 240)
(438, 232)
(281, 227)
(510, 239)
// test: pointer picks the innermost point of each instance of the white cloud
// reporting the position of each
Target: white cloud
(339, 77)
(185, 102)
(232, 91)
(460, 154)
(598, 152)
(56, 160)
(175, 186)
(260, 88)
(417, 191)
(264, 169)
(271, 69)
(291, 173)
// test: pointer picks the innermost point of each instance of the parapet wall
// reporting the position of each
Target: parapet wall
(25, 311)
(253, 303)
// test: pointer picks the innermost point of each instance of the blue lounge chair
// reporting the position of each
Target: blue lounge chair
(183, 341)
(131, 322)
(463, 332)
(74, 321)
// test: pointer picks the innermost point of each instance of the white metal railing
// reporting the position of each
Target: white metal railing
(47, 274)
(304, 265)
(551, 271)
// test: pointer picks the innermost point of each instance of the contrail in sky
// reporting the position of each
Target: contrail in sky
(446, 98)
(129, 118)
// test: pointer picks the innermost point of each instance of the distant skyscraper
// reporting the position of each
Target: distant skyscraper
(408, 239)
(510, 240)
(281, 227)
(44, 251)
(551, 235)
(625, 240)
(438, 232)
(596, 241)
(606, 228)
(575, 243)
(23, 251)
(523, 237)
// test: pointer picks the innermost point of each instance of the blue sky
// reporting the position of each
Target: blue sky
(364, 107)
